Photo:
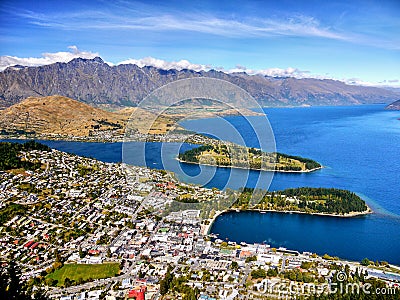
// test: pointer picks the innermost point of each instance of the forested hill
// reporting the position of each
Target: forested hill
(243, 157)
(304, 199)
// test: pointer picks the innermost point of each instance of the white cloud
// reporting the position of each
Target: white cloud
(184, 64)
(145, 17)
(273, 72)
(46, 59)
(151, 19)
(384, 83)
(162, 64)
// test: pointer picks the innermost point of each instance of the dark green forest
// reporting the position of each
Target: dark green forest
(312, 200)
(10, 157)
(193, 154)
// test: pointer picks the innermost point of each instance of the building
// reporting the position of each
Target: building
(139, 294)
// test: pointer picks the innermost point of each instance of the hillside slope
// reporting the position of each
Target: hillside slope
(58, 115)
(394, 106)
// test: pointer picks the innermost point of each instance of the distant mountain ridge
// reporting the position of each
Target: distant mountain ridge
(94, 82)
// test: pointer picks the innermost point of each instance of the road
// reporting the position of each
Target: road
(100, 282)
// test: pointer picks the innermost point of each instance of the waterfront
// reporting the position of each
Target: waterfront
(358, 146)
(350, 238)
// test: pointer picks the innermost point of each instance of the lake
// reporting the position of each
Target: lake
(359, 147)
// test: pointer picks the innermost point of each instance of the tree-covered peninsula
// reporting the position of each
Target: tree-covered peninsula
(304, 199)
(231, 155)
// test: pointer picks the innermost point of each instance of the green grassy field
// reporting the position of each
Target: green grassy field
(84, 272)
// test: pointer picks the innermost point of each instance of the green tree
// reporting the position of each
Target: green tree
(14, 288)
(67, 282)
(57, 255)
(81, 254)
(165, 283)
(50, 281)
(251, 258)
(259, 273)
(11, 285)
(365, 262)
(272, 272)
(224, 244)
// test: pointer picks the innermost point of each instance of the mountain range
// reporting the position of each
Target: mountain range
(95, 82)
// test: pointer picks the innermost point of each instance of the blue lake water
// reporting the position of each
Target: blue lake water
(358, 145)
(360, 149)
(351, 238)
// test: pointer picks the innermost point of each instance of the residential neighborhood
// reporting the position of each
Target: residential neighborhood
(83, 229)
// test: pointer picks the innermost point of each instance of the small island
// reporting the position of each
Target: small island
(309, 200)
(236, 156)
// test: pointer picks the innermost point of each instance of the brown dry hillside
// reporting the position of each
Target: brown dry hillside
(65, 116)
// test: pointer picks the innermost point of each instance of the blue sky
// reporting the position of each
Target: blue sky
(349, 40)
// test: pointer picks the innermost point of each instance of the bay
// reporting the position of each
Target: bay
(360, 149)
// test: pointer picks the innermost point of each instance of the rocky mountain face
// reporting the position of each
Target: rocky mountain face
(394, 106)
(95, 82)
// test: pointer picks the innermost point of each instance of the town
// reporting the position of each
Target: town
(83, 229)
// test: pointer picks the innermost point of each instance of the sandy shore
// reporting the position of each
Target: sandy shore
(206, 228)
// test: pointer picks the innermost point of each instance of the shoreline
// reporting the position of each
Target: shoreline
(61, 139)
(260, 211)
(243, 168)
(117, 140)
(347, 215)
(143, 139)
(207, 228)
